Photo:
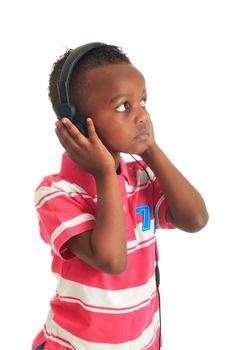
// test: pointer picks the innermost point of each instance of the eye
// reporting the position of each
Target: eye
(143, 103)
(123, 107)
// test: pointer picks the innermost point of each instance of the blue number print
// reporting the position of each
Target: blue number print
(144, 210)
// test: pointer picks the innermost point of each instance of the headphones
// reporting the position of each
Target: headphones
(66, 109)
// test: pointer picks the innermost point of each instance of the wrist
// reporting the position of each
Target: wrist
(105, 175)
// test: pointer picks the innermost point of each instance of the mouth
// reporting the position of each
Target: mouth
(143, 135)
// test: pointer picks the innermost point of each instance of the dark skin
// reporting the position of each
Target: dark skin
(119, 122)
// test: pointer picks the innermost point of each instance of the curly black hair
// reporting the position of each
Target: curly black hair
(102, 55)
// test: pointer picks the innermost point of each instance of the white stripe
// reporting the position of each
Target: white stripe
(142, 245)
(150, 343)
(80, 344)
(141, 236)
(73, 189)
(64, 187)
(58, 193)
(114, 299)
(109, 311)
(70, 223)
(60, 186)
(53, 195)
(131, 190)
(144, 235)
(142, 182)
(56, 340)
(49, 329)
(142, 177)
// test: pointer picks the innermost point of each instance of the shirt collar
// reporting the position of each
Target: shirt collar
(72, 172)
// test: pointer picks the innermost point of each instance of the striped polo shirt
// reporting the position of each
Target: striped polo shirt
(93, 310)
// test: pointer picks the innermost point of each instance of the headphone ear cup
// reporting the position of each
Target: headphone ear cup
(66, 110)
(69, 111)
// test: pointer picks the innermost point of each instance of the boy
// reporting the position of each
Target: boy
(98, 212)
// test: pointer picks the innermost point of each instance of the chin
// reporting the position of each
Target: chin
(139, 150)
(135, 149)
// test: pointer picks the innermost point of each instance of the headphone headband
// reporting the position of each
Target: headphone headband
(65, 108)
(68, 68)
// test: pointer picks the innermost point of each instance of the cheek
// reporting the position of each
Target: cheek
(115, 139)
(111, 132)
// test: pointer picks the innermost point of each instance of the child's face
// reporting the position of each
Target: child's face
(116, 103)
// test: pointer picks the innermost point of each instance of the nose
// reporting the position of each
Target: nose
(141, 116)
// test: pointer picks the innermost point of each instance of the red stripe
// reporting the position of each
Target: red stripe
(103, 328)
(140, 269)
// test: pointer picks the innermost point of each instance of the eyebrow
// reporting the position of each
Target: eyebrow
(118, 97)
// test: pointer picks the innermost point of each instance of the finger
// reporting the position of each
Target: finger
(65, 138)
(73, 130)
(63, 133)
(92, 135)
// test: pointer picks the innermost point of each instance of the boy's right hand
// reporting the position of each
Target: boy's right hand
(90, 153)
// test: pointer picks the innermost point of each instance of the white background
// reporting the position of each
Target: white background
(184, 49)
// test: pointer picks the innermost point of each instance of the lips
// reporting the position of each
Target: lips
(143, 135)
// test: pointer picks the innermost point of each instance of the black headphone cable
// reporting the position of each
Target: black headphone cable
(157, 273)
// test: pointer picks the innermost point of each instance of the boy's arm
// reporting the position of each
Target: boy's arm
(187, 210)
(104, 248)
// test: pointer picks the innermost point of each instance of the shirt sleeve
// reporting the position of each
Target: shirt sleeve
(160, 201)
(161, 206)
(63, 215)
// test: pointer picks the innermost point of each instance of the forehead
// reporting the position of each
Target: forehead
(115, 79)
